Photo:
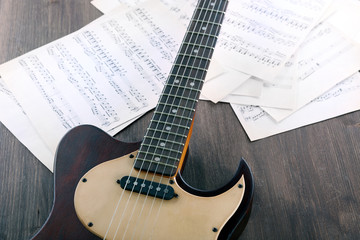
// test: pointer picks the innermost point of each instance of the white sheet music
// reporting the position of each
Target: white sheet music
(258, 37)
(15, 119)
(343, 98)
(325, 58)
(101, 74)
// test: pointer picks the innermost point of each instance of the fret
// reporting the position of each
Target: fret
(188, 71)
(184, 115)
(170, 92)
(174, 108)
(199, 57)
(172, 118)
(197, 42)
(170, 102)
(177, 79)
(159, 158)
(172, 115)
(178, 87)
(151, 166)
(201, 27)
(158, 141)
(202, 23)
(190, 67)
(203, 52)
(159, 155)
(174, 76)
(161, 148)
(204, 34)
(189, 90)
(164, 133)
(202, 62)
(182, 85)
(156, 154)
(171, 124)
(209, 15)
(220, 5)
(157, 163)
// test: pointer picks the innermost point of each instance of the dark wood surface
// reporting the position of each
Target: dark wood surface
(306, 180)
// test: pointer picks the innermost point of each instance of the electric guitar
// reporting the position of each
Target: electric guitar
(107, 189)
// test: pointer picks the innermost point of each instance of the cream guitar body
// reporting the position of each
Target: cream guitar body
(99, 198)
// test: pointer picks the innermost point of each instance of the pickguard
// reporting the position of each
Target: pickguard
(139, 216)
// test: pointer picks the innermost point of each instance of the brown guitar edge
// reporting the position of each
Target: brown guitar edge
(237, 223)
(82, 148)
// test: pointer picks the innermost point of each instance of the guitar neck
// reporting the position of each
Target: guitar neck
(164, 141)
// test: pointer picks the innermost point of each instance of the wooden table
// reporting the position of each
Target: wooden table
(306, 180)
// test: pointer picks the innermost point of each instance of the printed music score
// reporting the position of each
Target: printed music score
(261, 38)
(324, 59)
(341, 99)
(105, 81)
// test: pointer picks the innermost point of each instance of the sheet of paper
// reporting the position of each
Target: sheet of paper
(106, 6)
(325, 58)
(281, 95)
(222, 85)
(258, 37)
(104, 81)
(15, 119)
(272, 97)
(252, 87)
(343, 98)
(346, 17)
(181, 9)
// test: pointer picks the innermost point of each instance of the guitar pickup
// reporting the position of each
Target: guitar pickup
(147, 187)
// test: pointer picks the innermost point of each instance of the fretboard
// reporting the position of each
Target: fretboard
(165, 139)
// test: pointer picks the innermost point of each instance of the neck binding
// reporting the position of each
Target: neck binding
(165, 139)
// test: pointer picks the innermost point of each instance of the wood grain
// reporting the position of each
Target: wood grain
(306, 180)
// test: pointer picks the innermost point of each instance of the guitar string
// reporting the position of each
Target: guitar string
(195, 25)
(130, 196)
(156, 148)
(201, 81)
(152, 181)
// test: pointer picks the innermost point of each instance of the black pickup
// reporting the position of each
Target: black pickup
(146, 187)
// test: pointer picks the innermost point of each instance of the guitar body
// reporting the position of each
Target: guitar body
(88, 153)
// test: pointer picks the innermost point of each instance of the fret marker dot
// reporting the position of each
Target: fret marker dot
(212, 4)
(176, 81)
(168, 128)
(196, 50)
(157, 159)
(162, 144)
(192, 84)
(174, 110)
(203, 28)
